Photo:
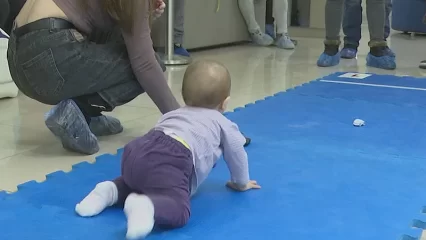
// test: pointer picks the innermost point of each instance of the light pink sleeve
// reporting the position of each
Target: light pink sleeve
(234, 154)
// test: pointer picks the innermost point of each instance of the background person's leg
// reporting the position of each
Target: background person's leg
(352, 21)
(247, 10)
(179, 27)
(388, 10)
(333, 22)
(281, 16)
(376, 25)
(376, 21)
(269, 19)
(258, 37)
(179, 14)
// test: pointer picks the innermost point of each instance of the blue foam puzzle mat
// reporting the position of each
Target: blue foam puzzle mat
(321, 177)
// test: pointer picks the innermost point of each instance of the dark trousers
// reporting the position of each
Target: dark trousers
(159, 167)
(52, 65)
(269, 18)
(353, 19)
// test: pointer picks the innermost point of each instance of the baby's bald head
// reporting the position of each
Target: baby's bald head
(206, 84)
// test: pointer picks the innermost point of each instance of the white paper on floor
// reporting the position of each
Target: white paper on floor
(358, 122)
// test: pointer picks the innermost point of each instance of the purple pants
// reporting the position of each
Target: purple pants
(159, 167)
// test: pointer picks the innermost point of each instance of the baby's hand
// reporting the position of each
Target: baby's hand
(250, 185)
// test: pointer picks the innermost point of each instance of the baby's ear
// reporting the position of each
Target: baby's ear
(225, 104)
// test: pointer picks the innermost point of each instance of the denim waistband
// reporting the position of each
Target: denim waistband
(43, 24)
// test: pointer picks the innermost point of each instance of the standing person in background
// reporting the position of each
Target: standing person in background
(280, 8)
(270, 20)
(378, 56)
(352, 21)
(179, 9)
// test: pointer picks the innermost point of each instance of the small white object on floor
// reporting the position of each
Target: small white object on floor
(139, 211)
(359, 123)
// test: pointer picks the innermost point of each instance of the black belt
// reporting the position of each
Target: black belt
(43, 24)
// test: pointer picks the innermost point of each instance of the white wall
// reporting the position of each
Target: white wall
(317, 16)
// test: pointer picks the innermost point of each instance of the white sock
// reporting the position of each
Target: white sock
(247, 10)
(281, 15)
(104, 195)
(139, 210)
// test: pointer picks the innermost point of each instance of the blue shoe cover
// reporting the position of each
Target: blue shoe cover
(326, 60)
(105, 125)
(348, 53)
(181, 51)
(384, 62)
(68, 123)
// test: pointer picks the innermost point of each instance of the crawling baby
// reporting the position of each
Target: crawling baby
(161, 170)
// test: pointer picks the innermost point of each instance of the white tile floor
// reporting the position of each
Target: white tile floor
(28, 151)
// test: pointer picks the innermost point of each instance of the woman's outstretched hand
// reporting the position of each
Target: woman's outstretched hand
(159, 8)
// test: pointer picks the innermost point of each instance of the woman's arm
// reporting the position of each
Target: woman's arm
(144, 64)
